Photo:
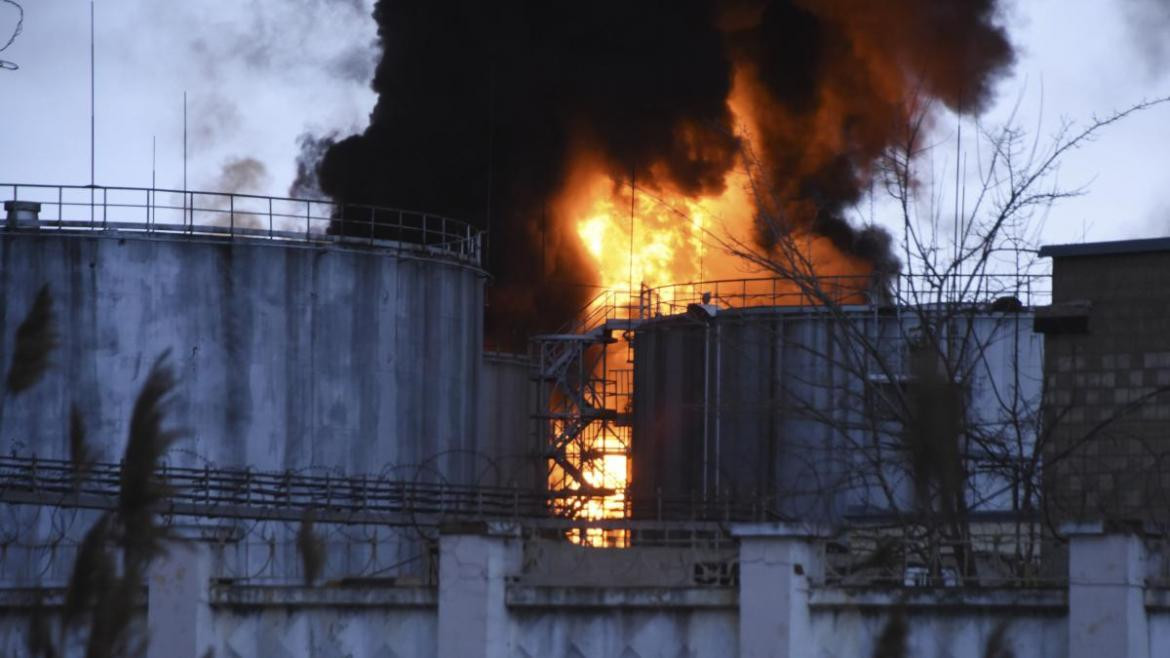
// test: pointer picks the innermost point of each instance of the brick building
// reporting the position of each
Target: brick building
(1106, 436)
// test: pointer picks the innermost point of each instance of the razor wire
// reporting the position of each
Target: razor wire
(6, 64)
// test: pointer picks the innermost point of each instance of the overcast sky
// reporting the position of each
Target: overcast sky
(260, 73)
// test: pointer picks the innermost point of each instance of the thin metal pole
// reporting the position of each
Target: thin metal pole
(491, 142)
(92, 112)
(958, 223)
(633, 195)
(92, 96)
(706, 398)
(185, 155)
(718, 389)
(153, 177)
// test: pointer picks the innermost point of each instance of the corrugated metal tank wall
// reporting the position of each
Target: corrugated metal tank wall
(288, 357)
(769, 405)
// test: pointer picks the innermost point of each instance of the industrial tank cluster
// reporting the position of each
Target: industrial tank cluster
(299, 350)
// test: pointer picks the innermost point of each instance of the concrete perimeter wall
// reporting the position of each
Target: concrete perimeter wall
(500, 595)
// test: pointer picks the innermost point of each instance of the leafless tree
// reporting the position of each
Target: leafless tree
(929, 425)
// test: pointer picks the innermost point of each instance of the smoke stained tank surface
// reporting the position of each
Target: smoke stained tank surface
(303, 352)
(769, 406)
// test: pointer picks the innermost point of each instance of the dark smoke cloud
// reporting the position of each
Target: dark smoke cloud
(833, 83)
(312, 148)
(482, 106)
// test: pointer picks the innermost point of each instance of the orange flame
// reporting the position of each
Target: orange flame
(639, 236)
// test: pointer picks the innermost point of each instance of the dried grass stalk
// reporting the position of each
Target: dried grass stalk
(93, 572)
(997, 643)
(145, 447)
(40, 638)
(111, 619)
(311, 548)
(36, 338)
(892, 642)
(81, 458)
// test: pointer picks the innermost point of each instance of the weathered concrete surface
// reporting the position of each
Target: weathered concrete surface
(473, 615)
(325, 632)
(776, 563)
(1106, 594)
(625, 632)
(178, 611)
(932, 632)
(487, 612)
(309, 359)
(549, 563)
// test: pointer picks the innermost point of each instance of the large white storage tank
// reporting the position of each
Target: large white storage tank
(296, 350)
(292, 351)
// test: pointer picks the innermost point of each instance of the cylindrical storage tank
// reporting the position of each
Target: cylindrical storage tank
(723, 408)
(784, 409)
(507, 398)
(287, 355)
(300, 352)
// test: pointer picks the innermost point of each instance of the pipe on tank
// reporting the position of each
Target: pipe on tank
(706, 398)
(718, 402)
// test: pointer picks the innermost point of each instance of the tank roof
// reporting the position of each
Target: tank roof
(219, 216)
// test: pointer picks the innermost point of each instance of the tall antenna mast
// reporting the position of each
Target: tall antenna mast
(491, 158)
(184, 156)
(960, 227)
(92, 87)
(153, 172)
(633, 197)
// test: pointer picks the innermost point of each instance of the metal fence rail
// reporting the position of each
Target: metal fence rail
(248, 494)
(903, 290)
(242, 493)
(989, 552)
(243, 216)
(1002, 553)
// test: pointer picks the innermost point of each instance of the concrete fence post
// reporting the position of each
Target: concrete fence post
(178, 614)
(1106, 592)
(776, 562)
(475, 561)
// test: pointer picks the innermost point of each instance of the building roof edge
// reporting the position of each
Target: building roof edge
(1148, 245)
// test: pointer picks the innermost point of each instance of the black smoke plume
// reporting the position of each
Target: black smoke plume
(306, 184)
(483, 105)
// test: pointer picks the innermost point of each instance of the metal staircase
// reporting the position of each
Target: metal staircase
(583, 404)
